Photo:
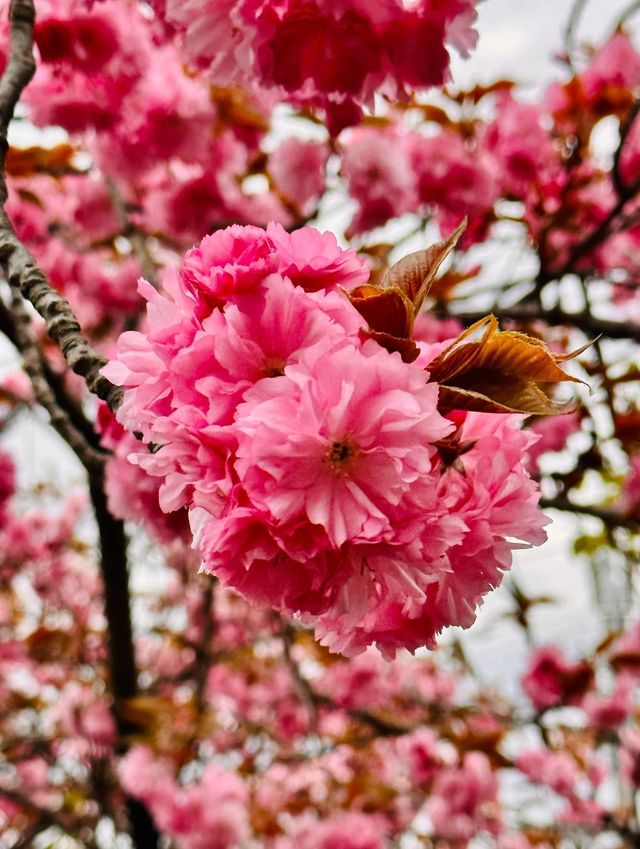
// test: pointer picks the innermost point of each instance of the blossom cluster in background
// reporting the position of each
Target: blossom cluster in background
(280, 741)
(331, 55)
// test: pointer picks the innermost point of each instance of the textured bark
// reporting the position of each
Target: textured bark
(18, 264)
(28, 281)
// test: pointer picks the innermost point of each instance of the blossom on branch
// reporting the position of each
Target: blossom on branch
(320, 476)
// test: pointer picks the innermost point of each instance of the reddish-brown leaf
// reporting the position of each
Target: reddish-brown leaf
(502, 372)
(385, 310)
(476, 93)
(25, 161)
(407, 348)
(234, 108)
(414, 274)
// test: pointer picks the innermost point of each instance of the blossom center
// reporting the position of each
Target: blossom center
(273, 368)
(341, 454)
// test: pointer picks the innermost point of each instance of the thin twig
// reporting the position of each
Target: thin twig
(610, 517)
(202, 649)
(625, 129)
(584, 321)
(90, 458)
(624, 16)
(313, 699)
(571, 29)
(135, 236)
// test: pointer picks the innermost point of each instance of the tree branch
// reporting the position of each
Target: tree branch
(61, 422)
(24, 276)
(63, 397)
(609, 517)
(19, 266)
(584, 321)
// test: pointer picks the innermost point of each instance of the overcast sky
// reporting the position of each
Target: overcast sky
(519, 37)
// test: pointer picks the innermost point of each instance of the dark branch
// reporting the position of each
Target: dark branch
(584, 321)
(19, 265)
(124, 683)
(620, 186)
(24, 276)
(64, 399)
(20, 68)
(612, 518)
(20, 334)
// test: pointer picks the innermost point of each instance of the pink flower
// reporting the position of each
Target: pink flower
(624, 654)
(329, 54)
(132, 494)
(629, 500)
(7, 484)
(348, 830)
(315, 261)
(457, 178)
(425, 755)
(307, 458)
(233, 260)
(298, 169)
(365, 681)
(556, 770)
(86, 43)
(553, 432)
(464, 800)
(338, 444)
(615, 65)
(384, 186)
(210, 814)
(606, 712)
(523, 150)
(630, 755)
(551, 680)
(305, 43)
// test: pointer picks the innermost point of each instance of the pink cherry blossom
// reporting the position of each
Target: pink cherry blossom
(557, 771)
(551, 680)
(464, 800)
(298, 169)
(338, 444)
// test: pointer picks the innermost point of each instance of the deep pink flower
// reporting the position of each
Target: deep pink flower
(556, 770)
(315, 260)
(463, 801)
(342, 830)
(298, 169)
(384, 186)
(553, 432)
(607, 712)
(551, 680)
(425, 755)
(340, 439)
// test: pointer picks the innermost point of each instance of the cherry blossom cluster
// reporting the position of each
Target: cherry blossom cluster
(301, 748)
(411, 749)
(543, 156)
(335, 55)
(307, 456)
